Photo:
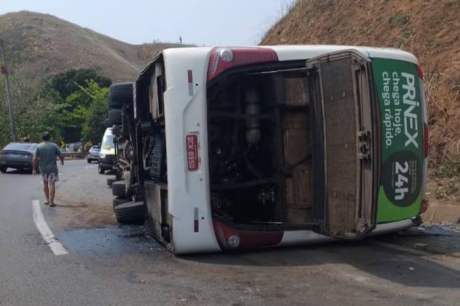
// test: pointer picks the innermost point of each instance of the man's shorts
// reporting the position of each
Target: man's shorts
(50, 177)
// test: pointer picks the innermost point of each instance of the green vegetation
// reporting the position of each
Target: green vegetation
(446, 175)
(399, 20)
(71, 105)
(448, 169)
(446, 189)
(74, 94)
(93, 126)
(405, 36)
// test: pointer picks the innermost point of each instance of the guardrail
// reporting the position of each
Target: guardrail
(74, 155)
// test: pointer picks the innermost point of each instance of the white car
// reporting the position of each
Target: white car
(107, 152)
(93, 154)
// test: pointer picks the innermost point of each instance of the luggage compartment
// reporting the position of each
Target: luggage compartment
(260, 133)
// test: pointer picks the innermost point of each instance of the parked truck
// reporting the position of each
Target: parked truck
(239, 148)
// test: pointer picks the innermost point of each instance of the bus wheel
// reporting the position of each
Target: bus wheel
(129, 212)
(110, 181)
(120, 94)
(119, 189)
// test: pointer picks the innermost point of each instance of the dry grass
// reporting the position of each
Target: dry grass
(42, 45)
(430, 29)
(443, 100)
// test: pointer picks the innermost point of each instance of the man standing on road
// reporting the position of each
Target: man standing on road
(46, 154)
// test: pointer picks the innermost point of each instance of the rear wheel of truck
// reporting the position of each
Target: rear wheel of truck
(3, 169)
(128, 212)
(119, 189)
(110, 181)
(117, 201)
(120, 94)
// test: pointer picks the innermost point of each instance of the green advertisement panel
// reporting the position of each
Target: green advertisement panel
(401, 139)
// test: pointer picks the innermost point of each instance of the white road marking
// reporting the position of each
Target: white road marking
(56, 247)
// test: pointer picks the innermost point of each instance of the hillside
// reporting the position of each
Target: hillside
(40, 45)
(430, 29)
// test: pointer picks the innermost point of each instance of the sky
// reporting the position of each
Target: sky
(200, 22)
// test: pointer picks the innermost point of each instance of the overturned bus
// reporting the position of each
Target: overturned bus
(240, 148)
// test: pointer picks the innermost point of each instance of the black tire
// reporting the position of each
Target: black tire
(89, 161)
(100, 169)
(119, 189)
(110, 181)
(118, 201)
(120, 94)
(125, 124)
(3, 169)
(129, 212)
(114, 117)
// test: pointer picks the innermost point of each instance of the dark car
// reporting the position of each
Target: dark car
(18, 156)
(93, 154)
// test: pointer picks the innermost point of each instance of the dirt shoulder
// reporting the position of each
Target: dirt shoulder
(83, 198)
(443, 195)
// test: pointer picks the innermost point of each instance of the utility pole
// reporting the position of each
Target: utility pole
(6, 72)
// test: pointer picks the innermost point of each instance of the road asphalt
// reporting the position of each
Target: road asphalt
(108, 264)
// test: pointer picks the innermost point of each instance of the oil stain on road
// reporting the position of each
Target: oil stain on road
(109, 241)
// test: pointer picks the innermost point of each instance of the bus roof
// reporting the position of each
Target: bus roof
(299, 52)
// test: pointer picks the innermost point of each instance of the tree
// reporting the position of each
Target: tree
(33, 112)
(93, 126)
(73, 93)
(66, 83)
(71, 105)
